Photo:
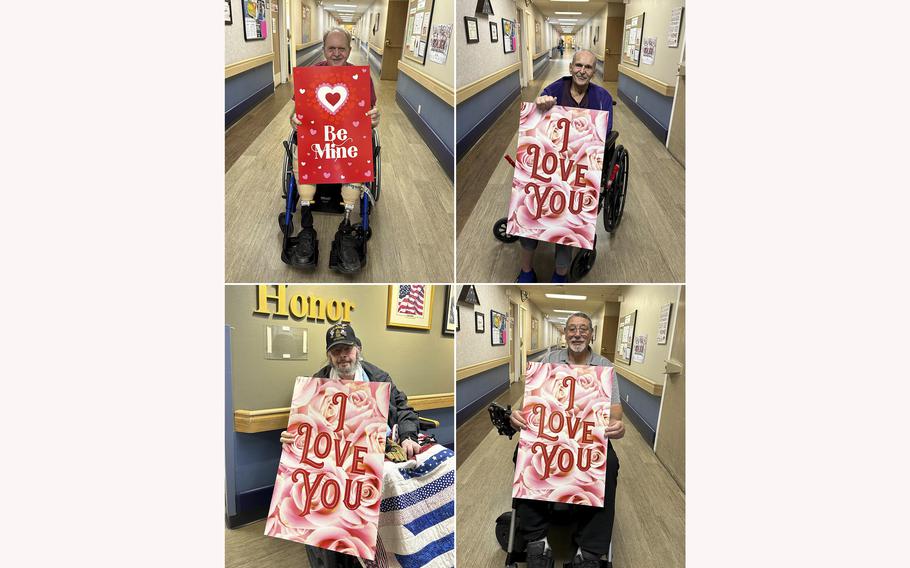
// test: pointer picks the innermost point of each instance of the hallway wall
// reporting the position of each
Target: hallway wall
(487, 78)
(648, 89)
(248, 68)
(307, 33)
(426, 93)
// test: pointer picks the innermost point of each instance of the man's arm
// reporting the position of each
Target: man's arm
(408, 423)
(616, 429)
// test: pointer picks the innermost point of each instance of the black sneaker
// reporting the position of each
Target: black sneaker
(539, 555)
(305, 252)
(585, 560)
(345, 256)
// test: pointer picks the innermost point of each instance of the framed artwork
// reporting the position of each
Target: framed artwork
(417, 31)
(478, 322)
(484, 7)
(421, 49)
(255, 20)
(452, 321)
(228, 15)
(470, 29)
(494, 32)
(410, 305)
(498, 334)
(663, 323)
(625, 337)
(508, 36)
(468, 295)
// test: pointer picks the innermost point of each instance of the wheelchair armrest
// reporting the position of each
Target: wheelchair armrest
(611, 138)
(499, 415)
(427, 423)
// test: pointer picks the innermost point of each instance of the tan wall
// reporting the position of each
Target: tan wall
(475, 347)
(420, 362)
(648, 300)
(237, 49)
(657, 20)
(478, 60)
(598, 321)
(445, 74)
(378, 38)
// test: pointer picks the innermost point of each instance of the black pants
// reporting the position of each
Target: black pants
(595, 524)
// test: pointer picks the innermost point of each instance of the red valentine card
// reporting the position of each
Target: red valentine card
(334, 140)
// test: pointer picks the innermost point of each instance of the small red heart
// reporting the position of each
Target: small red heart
(332, 98)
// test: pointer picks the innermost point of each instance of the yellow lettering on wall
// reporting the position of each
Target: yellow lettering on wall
(280, 297)
(317, 308)
(348, 307)
(333, 311)
(298, 305)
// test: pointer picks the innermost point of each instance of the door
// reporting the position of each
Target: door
(522, 340)
(670, 438)
(676, 138)
(284, 18)
(612, 48)
(395, 23)
(527, 54)
(276, 41)
(515, 358)
(608, 343)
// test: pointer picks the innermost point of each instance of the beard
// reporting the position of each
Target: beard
(577, 348)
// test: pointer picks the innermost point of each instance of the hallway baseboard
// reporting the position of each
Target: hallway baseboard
(236, 113)
(476, 406)
(646, 119)
(434, 143)
(640, 425)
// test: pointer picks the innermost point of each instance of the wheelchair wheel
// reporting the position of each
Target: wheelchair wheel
(368, 233)
(616, 200)
(499, 231)
(582, 264)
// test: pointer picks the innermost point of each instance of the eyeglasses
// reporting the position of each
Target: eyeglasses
(581, 329)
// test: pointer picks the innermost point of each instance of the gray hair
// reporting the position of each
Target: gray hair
(339, 30)
(581, 315)
(583, 51)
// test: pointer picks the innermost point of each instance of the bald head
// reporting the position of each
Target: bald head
(587, 56)
(336, 46)
(582, 70)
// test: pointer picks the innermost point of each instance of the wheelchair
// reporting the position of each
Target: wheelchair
(509, 538)
(327, 199)
(612, 201)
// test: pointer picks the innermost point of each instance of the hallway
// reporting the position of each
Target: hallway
(412, 222)
(648, 246)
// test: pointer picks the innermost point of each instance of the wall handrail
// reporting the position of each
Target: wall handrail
(650, 82)
(247, 64)
(646, 384)
(476, 368)
(466, 92)
(435, 86)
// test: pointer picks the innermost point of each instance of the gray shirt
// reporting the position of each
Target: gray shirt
(562, 356)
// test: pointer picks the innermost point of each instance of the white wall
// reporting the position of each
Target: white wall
(445, 73)
(648, 300)
(657, 20)
(479, 60)
(235, 47)
(472, 347)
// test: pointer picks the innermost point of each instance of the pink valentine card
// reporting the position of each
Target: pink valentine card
(562, 456)
(328, 489)
(334, 139)
(558, 164)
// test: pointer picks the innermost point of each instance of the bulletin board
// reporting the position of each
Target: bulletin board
(255, 20)
(508, 36)
(625, 337)
(417, 32)
(631, 39)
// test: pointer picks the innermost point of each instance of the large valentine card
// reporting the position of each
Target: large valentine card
(558, 165)
(562, 456)
(334, 140)
(329, 483)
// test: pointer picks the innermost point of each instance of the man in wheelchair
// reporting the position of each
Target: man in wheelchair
(343, 350)
(336, 46)
(594, 524)
(574, 90)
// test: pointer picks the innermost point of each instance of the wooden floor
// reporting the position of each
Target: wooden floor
(649, 245)
(413, 228)
(248, 547)
(649, 527)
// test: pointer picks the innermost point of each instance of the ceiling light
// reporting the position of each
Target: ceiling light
(345, 5)
(563, 13)
(565, 297)
(568, 19)
(576, 1)
(566, 311)
(346, 10)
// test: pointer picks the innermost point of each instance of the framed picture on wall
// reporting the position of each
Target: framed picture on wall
(470, 29)
(478, 322)
(494, 32)
(228, 16)
(498, 334)
(410, 305)
(255, 20)
(452, 321)
(508, 36)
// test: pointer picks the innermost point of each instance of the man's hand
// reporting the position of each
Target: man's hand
(517, 420)
(544, 103)
(373, 113)
(287, 437)
(615, 430)
(410, 447)
(294, 120)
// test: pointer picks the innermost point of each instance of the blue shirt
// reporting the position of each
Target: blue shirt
(596, 97)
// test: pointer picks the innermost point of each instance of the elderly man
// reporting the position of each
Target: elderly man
(336, 46)
(595, 524)
(343, 350)
(574, 90)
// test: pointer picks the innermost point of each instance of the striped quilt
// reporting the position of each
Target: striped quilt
(417, 514)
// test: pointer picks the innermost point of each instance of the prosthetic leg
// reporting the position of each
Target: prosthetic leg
(348, 254)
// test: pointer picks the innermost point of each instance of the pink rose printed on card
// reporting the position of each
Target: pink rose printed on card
(558, 167)
(562, 456)
(328, 489)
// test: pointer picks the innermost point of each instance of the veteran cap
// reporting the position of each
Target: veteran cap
(340, 334)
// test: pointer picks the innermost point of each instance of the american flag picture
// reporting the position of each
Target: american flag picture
(410, 299)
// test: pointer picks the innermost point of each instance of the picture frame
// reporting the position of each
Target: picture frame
(468, 295)
(508, 36)
(625, 337)
(256, 24)
(478, 322)
(470, 30)
(228, 13)
(494, 32)
(452, 318)
(410, 306)
(418, 30)
(498, 333)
